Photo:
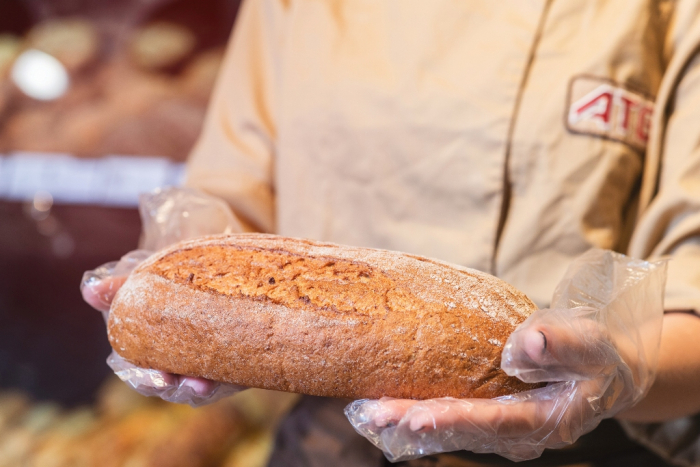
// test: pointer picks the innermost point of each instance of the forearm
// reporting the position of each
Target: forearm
(676, 390)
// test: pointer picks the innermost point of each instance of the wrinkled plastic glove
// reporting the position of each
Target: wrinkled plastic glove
(168, 215)
(597, 347)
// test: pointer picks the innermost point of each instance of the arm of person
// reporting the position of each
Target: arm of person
(667, 420)
(676, 390)
(670, 226)
(233, 158)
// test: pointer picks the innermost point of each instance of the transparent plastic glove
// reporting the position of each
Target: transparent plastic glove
(597, 347)
(168, 215)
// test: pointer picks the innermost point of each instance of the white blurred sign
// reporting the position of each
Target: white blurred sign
(112, 180)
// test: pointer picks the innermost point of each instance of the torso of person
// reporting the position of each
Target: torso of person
(506, 137)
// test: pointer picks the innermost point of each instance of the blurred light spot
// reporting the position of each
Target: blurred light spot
(40, 76)
(43, 201)
(47, 227)
(62, 245)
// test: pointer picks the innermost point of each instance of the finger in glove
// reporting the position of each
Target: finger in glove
(172, 388)
(560, 345)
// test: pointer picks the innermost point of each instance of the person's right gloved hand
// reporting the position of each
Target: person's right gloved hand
(596, 348)
(168, 215)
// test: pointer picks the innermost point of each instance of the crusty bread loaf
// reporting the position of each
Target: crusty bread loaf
(318, 318)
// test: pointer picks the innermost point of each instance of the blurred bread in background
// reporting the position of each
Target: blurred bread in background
(75, 42)
(123, 428)
(161, 44)
(10, 45)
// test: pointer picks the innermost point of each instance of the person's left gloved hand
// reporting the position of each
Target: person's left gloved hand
(597, 347)
(168, 215)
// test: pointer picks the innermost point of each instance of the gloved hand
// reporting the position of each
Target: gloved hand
(169, 215)
(597, 347)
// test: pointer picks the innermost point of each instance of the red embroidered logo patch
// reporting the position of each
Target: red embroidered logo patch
(609, 110)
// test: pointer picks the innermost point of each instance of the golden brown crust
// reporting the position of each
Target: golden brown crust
(321, 319)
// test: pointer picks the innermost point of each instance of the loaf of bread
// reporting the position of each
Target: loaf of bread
(318, 318)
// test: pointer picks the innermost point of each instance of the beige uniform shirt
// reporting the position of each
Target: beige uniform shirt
(506, 136)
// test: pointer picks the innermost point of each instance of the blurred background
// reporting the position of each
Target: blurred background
(100, 100)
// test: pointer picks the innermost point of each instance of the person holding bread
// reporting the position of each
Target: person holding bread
(507, 137)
